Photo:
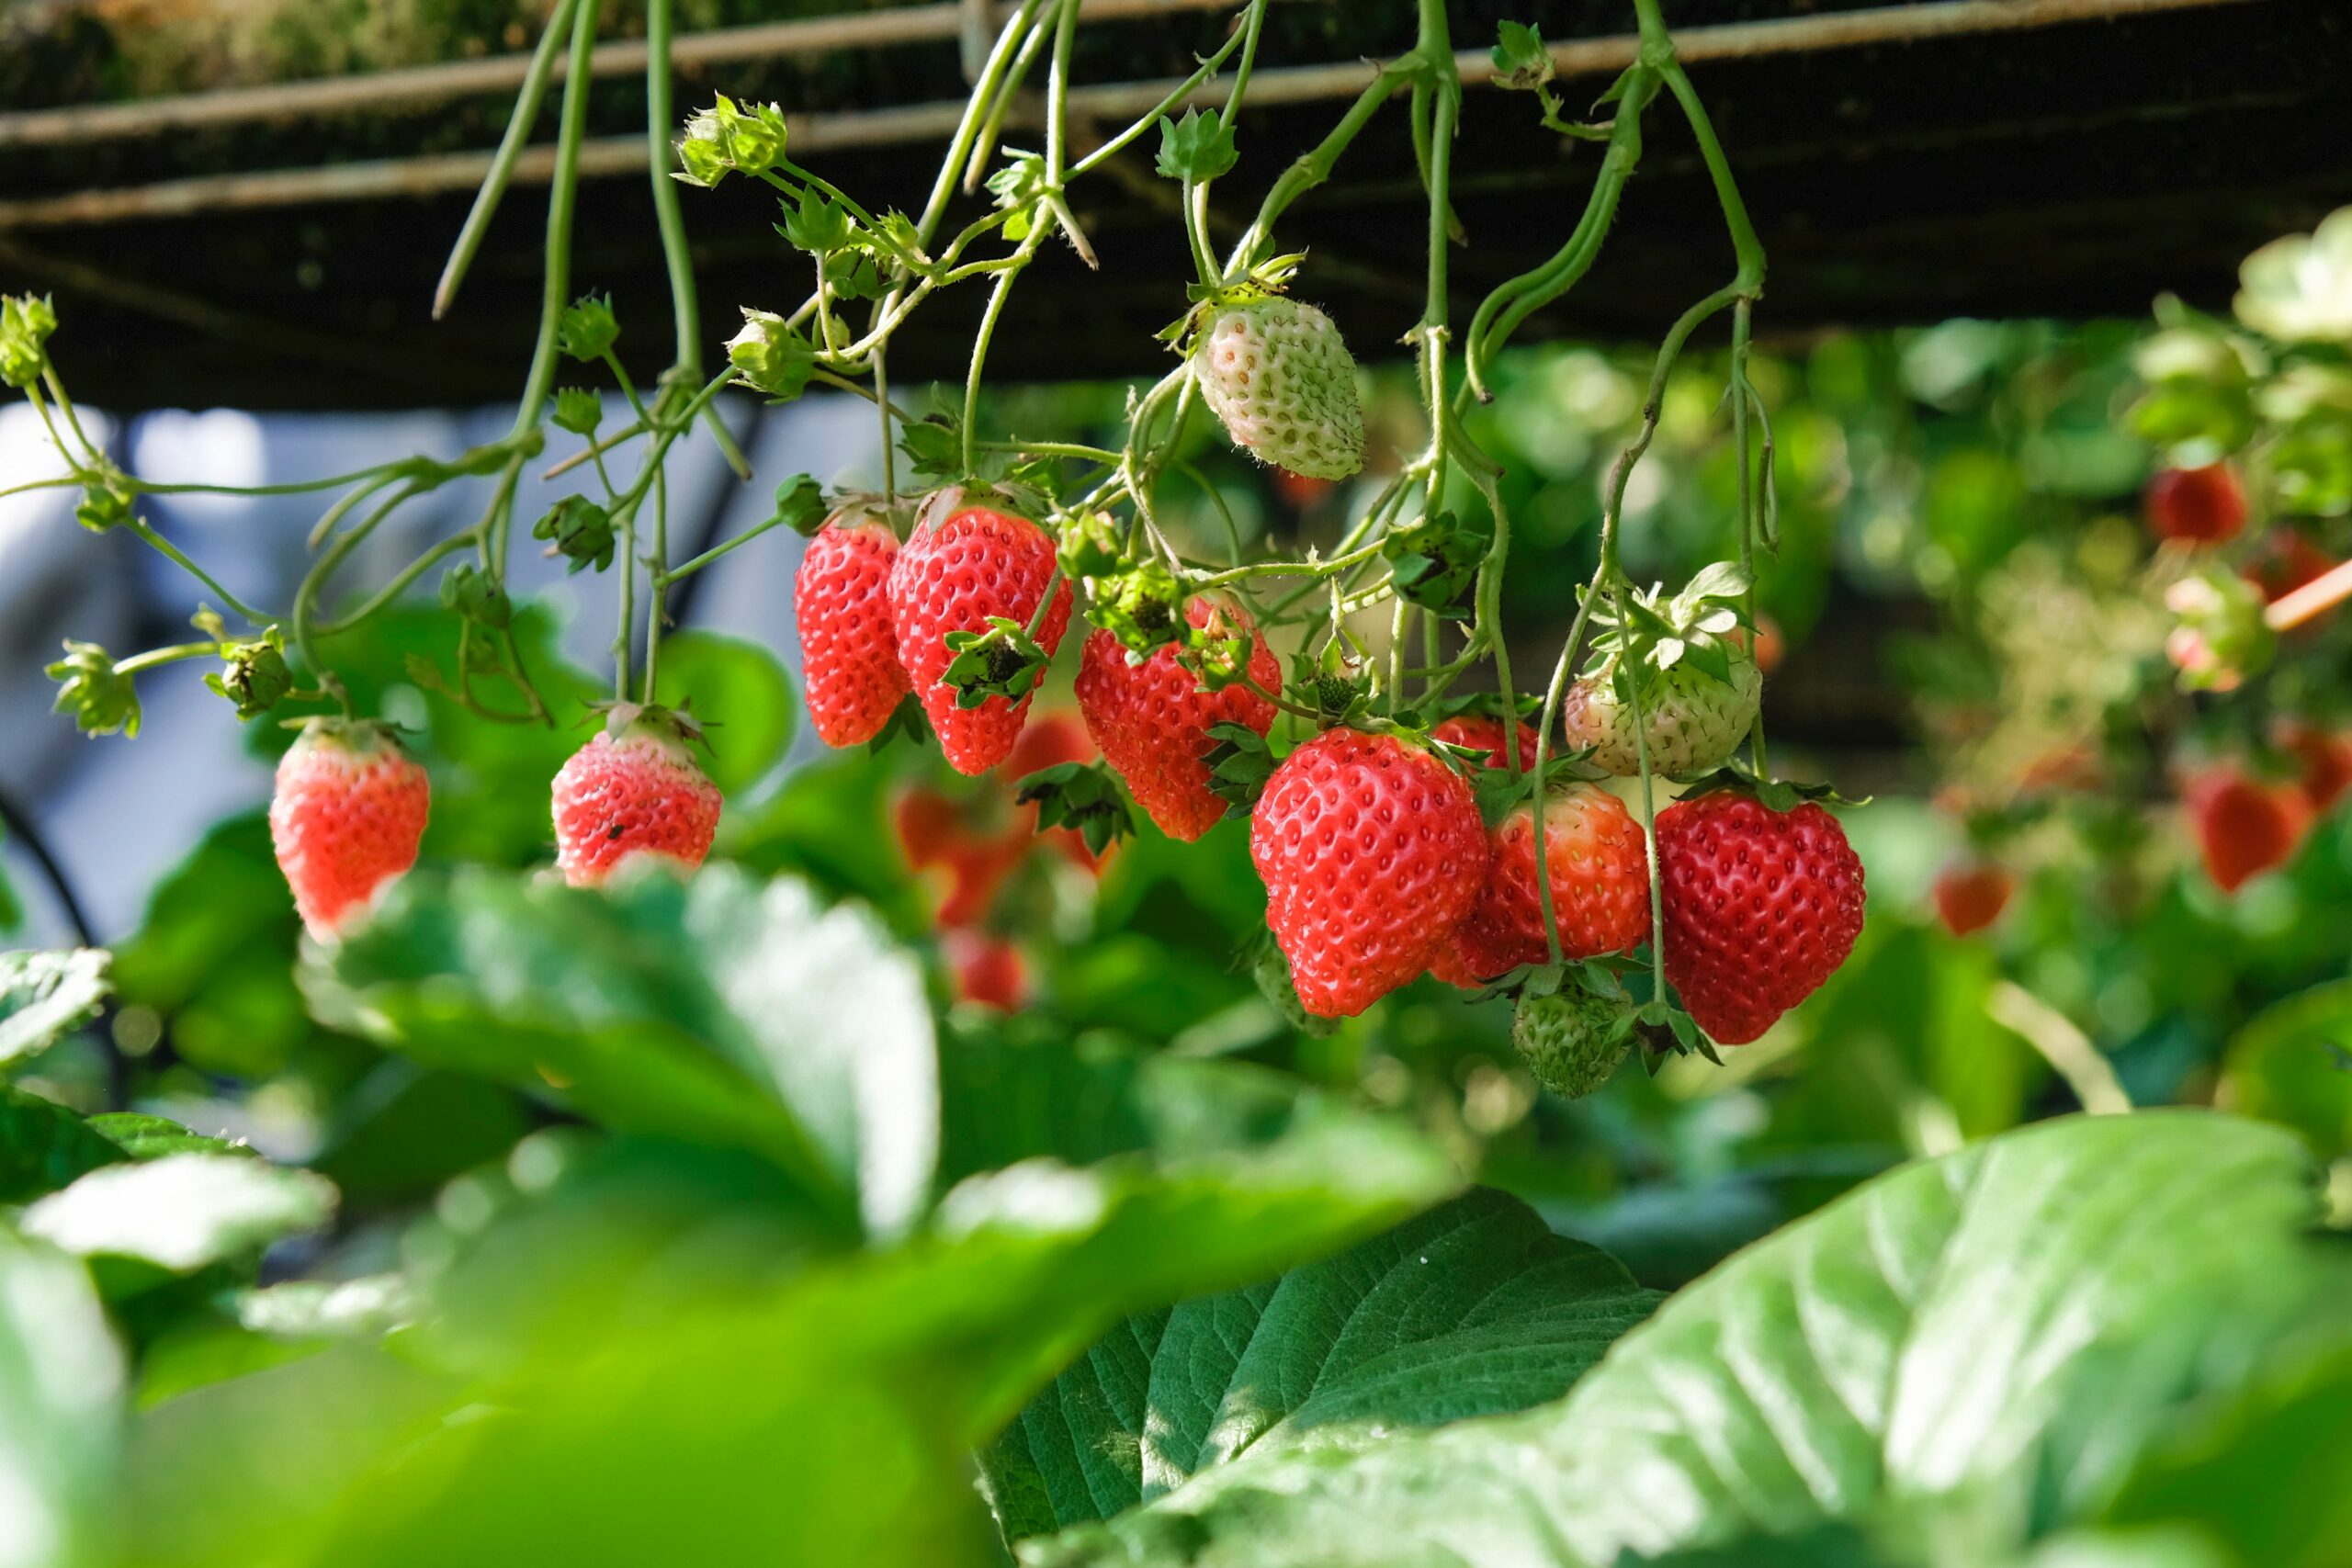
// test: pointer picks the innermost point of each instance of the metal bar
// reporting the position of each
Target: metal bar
(416, 88)
(919, 122)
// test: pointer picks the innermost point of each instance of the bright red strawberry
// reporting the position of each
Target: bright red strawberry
(849, 653)
(2326, 759)
(1372, 852)
(634, 789)
(2201, 506)
(1484, 732)
(1152, 719)
(1761, 907)
(2245, 826)
(1600, 887)
(1971, 893)
(928, 825)
(349, 809)
(2285, 560)
(951, 577)
(987, 970)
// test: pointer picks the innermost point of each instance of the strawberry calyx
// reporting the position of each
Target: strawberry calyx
(674, 730)
(1651, 634)
(1779, 794)
(1267, 280)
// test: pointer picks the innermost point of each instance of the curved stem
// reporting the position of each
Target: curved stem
(174, 554)
(562, 194)
(510, 150)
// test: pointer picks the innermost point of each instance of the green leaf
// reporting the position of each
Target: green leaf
(2018, 1315)
(1470, 1309)
(739, 693)
(2289, 1065)
(183, 1210)
(720, 1011)
(61, 1390)
(815, 224)
(1196, 149)
(145, 1137)
(1082, 795)
(43, 1145)
(46, 996)
(1520, 59)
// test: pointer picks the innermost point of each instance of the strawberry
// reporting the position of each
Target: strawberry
(1971, 893)
(1600, 887)
(1275, 372)
(1152, 719)
(1571, 1040)
(987, 970)
(2285, 560)
(954, 577)
(349, 809)
(1692, 722)
(1761, 907)
(928, 825)
(633, 790)
(2245, 826)
(1372, 852)
(2326, 761)
(1483, 732)
(2200, 506)
(849, 653)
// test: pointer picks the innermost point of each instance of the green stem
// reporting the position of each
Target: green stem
(1314, 167)
(1182, 91)
(65, 406)
(562, 197)
(155, 656)
(510, 149)
(1740, 393)
(657, 604)
(173, 553)
(1004, 282)
(687, 569)
(1649, 826)
(398, 585)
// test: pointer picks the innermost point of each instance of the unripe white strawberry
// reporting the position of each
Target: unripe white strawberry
(1692, 721)
(1277, 373)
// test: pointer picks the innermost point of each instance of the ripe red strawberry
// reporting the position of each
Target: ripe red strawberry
(1485, 733)
(1152, 719)
(1971, 893)
(2327, 760)
(987, 970)
(2202, 506)
(1761, 907)
(1372, 852)
(928, 824)
(349, 809)
(2285, 560)
(1600, 887)
(632, 790)
(951, 577)
(2245, 826)
(849, 652)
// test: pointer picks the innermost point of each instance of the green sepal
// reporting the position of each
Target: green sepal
(579, 530)
(579, 411)
(772, 356)
(1521, 62)
(1001, 661)
(800, 506)
(907, 720)
(1142, 606)
(1196, 149)
(1240, 765)
(1435, 562)
(1080, 796)
(587, 329)
(102, 699)
(253, 674)
(1270, 968)
(1780, 794)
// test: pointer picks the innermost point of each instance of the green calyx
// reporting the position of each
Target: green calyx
(253, 674)
(1082, 796)
(1002, 661)
(579, 530)
(102, 699)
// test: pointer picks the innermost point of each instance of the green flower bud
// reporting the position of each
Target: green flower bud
(106, 504)
(26, 322)
(101, 698)
(253, 674)
(579, 530)
(770, 355)
(587, 330)
(472, 594)
(579, 411)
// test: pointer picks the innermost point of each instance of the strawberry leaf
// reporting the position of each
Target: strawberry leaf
(1240, 765)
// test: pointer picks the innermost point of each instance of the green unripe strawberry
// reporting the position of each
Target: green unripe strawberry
(1277, 373)
(1692, 721)
(1572, 1040)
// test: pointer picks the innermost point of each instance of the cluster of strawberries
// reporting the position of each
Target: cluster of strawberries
(1377, 862)
(350, 809)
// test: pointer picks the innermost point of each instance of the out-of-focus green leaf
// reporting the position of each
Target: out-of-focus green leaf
(1472, 1309)
(2269, 1471)
(720, 1009)
(182, 1211)
(741, 697)
(144, 1137)
(43, 1145)
(2008, 1319)
(45, 996)
(61, 1387)
(2292, 1065)
(402, 1131)
(227, 896)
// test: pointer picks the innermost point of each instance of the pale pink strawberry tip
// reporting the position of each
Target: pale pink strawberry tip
(344, 824)
(639, 794)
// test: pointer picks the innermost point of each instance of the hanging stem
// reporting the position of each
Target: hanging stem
(510, 149)
(562, 194)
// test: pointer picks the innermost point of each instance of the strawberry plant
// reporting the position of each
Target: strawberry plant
(1189, 1122)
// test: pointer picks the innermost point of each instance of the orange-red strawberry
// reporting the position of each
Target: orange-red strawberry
(349, 809)
(1971, 893)
(1601, 887)
(928, 825)
(2245, 826)
(1152, 719)
(2201, 506)
(2285, 561)
(632, 790)
(987, 970)
(951, 577)
(2326, 760)
(849, 651)
(1481, 732)
(1372, 852)
(1761, 907)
